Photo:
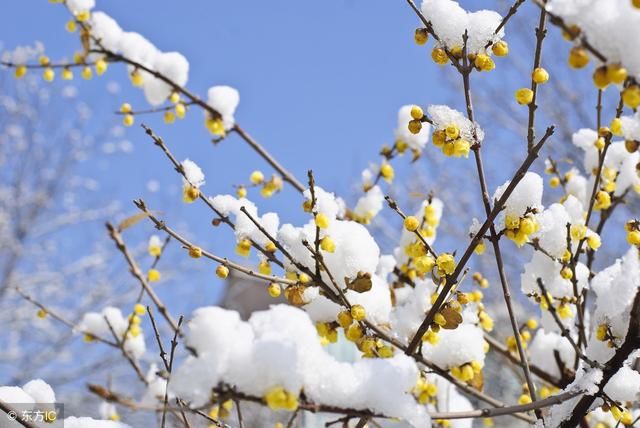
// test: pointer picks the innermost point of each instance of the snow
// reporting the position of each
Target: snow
(96, 323)
(280, 347)
(369, 205)
(450, 22)
(194, 174)
(456, 347)
(402, 133)
(608, 26)
(229, 205)
(442, 115)
(224, 100)
(527, 194)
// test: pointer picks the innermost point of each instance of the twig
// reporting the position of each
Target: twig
(564, 331)
(137, 273)
(160, 225)
(541, 32)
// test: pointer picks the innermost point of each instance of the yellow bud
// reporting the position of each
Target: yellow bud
(181, 110)
(616, 73)
(500, 48)
(345, 319)
(41, 313)
(358, 312)
(21, 70)
(566, 273)
(322, 221)
(153, 275)
(71, 26)
(169, 117)
(415, 126)
(532, 324)
(274, 290)
(601, 78)
(421, 36)
(67, 74)
(136, 78)
(86, 73)
(616, 126)
(411, 223)
(524, 96)
(631, 96)
(139, 309)
(195, 252)
(128, 119)
(256, 177)
(222, 271)
(439, 56)
(540, 75)
(578, 57)
(327, 244)
(101, 66)
(416, 112)
(633, 237)
(48, 74)
(386, 171)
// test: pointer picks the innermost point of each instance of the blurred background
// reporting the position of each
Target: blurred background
(320, 86)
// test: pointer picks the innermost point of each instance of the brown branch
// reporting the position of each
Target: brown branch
(159, 142)
(499, 205)
(137, 273)
(160, 225)
(611, 367)
(541, 32)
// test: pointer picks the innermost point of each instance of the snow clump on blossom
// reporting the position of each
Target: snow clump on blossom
(403, 135)
(291, 361)
(109, 322)
(450, 21)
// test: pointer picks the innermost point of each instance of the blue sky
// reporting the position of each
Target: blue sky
(320, 86)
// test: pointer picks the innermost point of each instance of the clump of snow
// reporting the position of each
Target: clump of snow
(77, 6)
(284, 342)
(402, 133)
(370, 204)
(526, 195)
(542, 350)
(624, 385)
(608, 26)
(456, 347)
(193, 173)
(97, 324)
(245, 228)
(442, 116)
(224, 100)
(450, 21)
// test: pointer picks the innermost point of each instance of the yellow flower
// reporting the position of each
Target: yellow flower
(446, 263)
(322, 221)
(524, 96)
(48, 74)
(195, 252)
(421, 36)
(500, 48)
(631, 96)
(540, 75)
(128, 120)
(21, 70)
(274, 290)
(190, 193)
(416, 112)
(153, 275)
(327, 244)
(358, 312)
(439, 56)
(139, 309)
(411, 223)
(101, 66)
(222, 271)
(243, 247)
(578, 57)
(256, 177)
(603, 201)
